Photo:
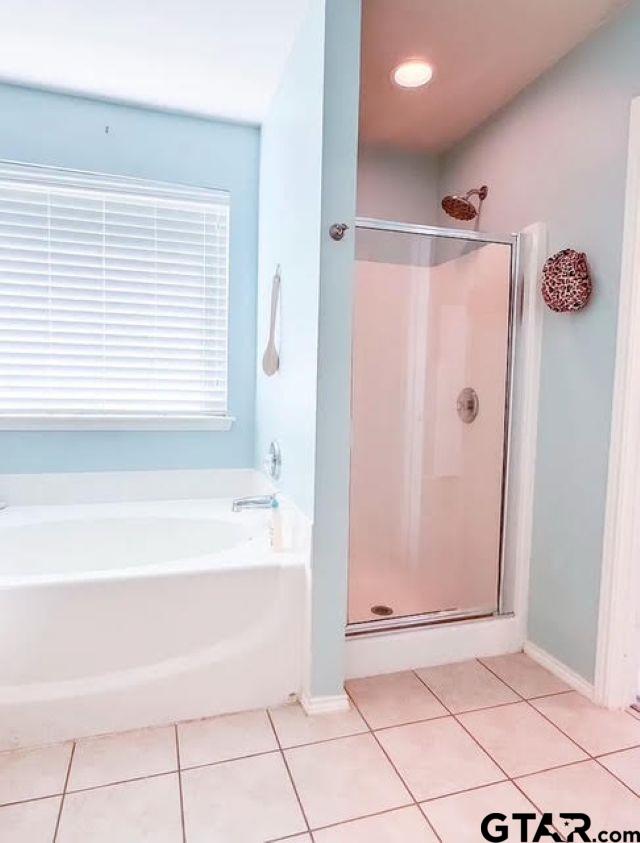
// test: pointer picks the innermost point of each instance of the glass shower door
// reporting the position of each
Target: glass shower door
(429, 398)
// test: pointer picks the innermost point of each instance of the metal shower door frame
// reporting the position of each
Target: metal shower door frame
(515, 303)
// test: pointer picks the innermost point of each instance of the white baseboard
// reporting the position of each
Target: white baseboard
(559, 669)
(429, 646)
(325, 705)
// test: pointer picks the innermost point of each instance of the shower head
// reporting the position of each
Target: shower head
(461, 207)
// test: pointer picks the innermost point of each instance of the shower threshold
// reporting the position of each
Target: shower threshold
(392, 624)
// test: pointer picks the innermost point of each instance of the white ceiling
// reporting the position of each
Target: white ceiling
(219, 58)
(483, 51)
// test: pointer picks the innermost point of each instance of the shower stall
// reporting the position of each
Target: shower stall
(433, 342)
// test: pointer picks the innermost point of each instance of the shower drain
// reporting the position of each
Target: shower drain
(381, 610)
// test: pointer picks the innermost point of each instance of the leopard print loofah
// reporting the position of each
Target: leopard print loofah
(566, 283)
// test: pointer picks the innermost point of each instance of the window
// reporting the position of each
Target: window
(113, 302)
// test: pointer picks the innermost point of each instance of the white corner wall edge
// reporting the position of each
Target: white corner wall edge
(618, 648)
(433, 645)
(524, 428)
(559, 669)
(325, 705)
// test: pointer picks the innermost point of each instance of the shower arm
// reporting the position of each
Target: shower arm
(480, 192)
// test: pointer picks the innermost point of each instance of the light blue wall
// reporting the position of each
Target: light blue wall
(290, 182)
(308, 172)
(558, 154)
(394, 184)
(330, 558)
(45, 128)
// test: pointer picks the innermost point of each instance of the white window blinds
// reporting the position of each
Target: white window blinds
(113, 297)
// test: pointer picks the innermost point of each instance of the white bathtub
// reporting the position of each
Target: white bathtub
(120, 615)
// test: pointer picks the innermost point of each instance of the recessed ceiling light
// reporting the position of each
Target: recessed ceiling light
(412, 74)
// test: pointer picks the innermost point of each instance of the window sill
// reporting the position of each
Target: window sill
(167, 423)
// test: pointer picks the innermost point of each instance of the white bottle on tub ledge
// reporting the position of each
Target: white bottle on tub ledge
(290, 529)
(277, 528)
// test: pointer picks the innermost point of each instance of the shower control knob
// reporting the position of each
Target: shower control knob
(273, 461)
(468, 405)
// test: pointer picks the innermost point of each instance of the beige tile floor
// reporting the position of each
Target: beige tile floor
(421, 757)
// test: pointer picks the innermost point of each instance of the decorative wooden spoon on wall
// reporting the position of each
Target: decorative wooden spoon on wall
(270, 359)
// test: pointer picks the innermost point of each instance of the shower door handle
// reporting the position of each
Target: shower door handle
(468, 405)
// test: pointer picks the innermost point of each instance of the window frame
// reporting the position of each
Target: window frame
(111, 183)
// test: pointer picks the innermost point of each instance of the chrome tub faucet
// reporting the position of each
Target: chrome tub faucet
(255, 502)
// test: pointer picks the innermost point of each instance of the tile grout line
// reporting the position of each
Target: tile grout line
(216, 717)
(184, 830)
(537, 772)
(189, 767)
(64, 792)
(185, 768)
(290, 774)
(590, 756)
(548, 719)
(548, 769)
(122, 781)
(515, 690)
(357, 819)
(521, 698)
(519, 694)
(531, 706)
(454, 716)
(615, 751)
(477, 742)
(30, 799)
(537, 696)
(310, 743)
(630, 710)
(386, 754)
(462, 726)
(288, 837)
